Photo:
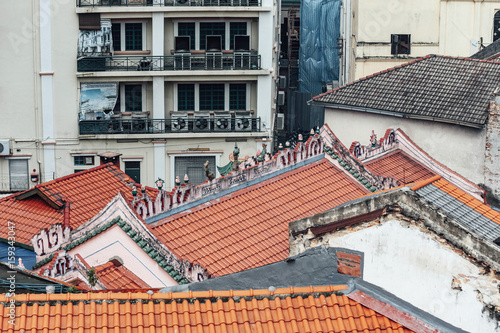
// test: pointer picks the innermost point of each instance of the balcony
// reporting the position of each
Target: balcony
(135, 3)
(181, 62)
(196, 124)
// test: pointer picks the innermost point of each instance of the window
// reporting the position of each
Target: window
(18, 174)
(133, 97)
(193, 167)
(211, 97)
(84, 160)
(187, 29)
(400, 44)
(185, 97)
(133, 36)
(212, 28)
(128, 36)
(236, 28)
(496, 26)
(237, 96)
(133, 170)
(116, 32)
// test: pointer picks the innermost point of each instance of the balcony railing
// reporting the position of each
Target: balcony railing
(170, 125)
(181, 62)
(125, 3)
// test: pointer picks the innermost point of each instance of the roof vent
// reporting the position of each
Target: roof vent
(117, 261)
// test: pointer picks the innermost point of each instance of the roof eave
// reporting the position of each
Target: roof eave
(395, 114)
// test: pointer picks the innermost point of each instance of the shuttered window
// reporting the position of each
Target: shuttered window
(193, 167)
(89, 21)
(18, 174)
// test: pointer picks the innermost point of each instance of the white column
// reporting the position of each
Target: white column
(264, 101)
(158, 97)
(159, 160)
(158, 47)
(266, 37)
(48, 142)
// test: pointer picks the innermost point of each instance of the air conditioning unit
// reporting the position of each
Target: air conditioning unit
(243, 124)
(222, 122)
(280, 121)
(201, 122)
(282, 82)
(4, 147)
(281, 98)
(179, 122)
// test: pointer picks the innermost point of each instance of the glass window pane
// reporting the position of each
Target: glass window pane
(185, 97)
(212, 28)
(133, 170)
(116, 34)
(133, 36)
(187, 29)
(237, 96)
(133, 97)
(212, 97)
(236, 28)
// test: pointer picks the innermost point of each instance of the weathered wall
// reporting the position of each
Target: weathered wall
(492, 149)
(449, 144)
(405, 256)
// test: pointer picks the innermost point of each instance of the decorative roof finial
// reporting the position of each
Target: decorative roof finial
(312, 131)
(301, 138)
(287, 144)
(159, 183)
(186, 179)
(317, 129)
(262, 155)
(208, 174)
(134, 190)
(143, 189)
(177, 181)
(280, 147)
(373, 139)
(236, 154)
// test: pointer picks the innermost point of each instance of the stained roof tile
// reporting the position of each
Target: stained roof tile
(399, 166)
(87, 193)
(434, 87)
(308, 309)
(469, 211)
(249, 228)
(118, 277)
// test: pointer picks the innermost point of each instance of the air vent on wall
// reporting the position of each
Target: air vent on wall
(4, 147)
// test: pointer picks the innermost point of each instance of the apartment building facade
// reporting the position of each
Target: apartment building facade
(156, 87)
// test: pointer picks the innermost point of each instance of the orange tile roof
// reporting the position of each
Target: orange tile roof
(249, 228)
(118, 277)
(400, 166)
(309, 309)
(87, 192)
(466, 199)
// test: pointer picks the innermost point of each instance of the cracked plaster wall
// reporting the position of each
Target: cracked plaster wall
(416, 265)
(492, 149)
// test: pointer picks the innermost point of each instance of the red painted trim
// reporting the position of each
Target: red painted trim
(392, 313)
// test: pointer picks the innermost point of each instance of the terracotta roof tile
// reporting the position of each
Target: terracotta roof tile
(308, 309)
(399, 166)
(87, 192)
(249, 228)
(118, 277)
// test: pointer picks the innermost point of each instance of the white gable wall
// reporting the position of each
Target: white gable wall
(460, 148)
(115, 242)
(420, 268)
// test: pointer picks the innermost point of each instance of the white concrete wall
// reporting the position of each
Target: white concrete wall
(114, 242)
(420, 269)
(451, 28)
(458, 147)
